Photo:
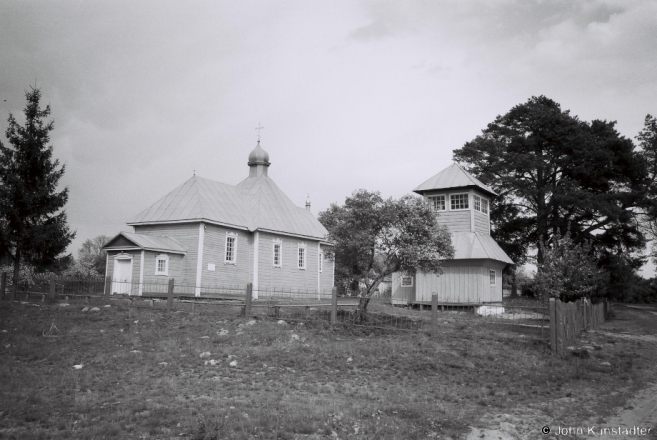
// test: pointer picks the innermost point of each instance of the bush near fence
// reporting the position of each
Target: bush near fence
(569, 320)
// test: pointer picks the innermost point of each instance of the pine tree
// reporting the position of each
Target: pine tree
(33, 225)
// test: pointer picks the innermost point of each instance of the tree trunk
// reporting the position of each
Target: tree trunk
(17, 266)
(361, 310)
(514, 283)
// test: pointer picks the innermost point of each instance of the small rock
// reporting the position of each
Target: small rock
(164, 364)
(211, 362)
(605, 364)
(86, 309)
(251, 322)
(94, 309)
(222, 332)
(102, 331)
(135, 351)
(233, 364)
(78, 367)
(232, 407)
(205, 337)
(64, 305)
(295, 337)
(107, 306)
(280, 321)
(587, 347)
(349, 359)
(136, 322)
(205, 354)
(4, 331)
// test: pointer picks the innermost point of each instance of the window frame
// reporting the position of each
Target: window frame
(165, 259)
(484, 201)
(277, 242)
(432, 199)
(233, 236)
(492, 277)
(406, 277)
(302, 256)
(467, 204)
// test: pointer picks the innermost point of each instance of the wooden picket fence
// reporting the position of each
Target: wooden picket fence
(568, 320)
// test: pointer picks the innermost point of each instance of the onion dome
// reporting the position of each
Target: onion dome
(258, 156)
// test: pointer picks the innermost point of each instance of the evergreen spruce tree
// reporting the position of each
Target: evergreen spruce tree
(33, 225)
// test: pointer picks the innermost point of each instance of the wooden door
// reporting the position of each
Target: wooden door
(122, 276)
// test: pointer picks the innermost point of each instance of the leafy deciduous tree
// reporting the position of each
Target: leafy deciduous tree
(568, 271)
(375, 237)
(92, 255)
(33, 225)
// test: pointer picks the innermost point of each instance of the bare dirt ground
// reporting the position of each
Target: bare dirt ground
(630, 412)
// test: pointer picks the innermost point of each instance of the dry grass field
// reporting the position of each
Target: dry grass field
(145, 374)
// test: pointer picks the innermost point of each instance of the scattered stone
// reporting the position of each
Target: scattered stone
(349, 359)
(205, 337)
(4, 331)
(251, 322)
(78, 367)
(102, 331)
(205, 354)
(222, 332)
(232, 407)
(135, 351)
(121, 330)
(107, 306)
(280, 321)
(136, 322)
(233, 364)
(295, 337)
(587, 347)
(605, 364)
(64, 305)
(86, 309)
(230, 356)
(94, 309)
(164, 364)
(211, 362)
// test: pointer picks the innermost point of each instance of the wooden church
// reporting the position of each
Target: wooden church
(474, 275)
(206, 234)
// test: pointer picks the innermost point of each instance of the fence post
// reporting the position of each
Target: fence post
(108, 289)
(170, 295)
(249, 297)
(334, 305)
(553, 325)
(3, 284)
(51, 294)
(434, 315)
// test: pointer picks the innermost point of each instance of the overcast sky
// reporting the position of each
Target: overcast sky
(352, 94)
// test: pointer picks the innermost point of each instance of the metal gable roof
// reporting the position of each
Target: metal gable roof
(476, 245)
(255, 203)
(148, 242)
(452, 177)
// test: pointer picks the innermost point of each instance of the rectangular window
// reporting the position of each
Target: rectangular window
(477, 203)
(407, 281)
(231, 248)
(437, 202)
(162, 264)
(493, 277)
(302, 256)
(277, 253)
(484, 205)
(458, 201)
